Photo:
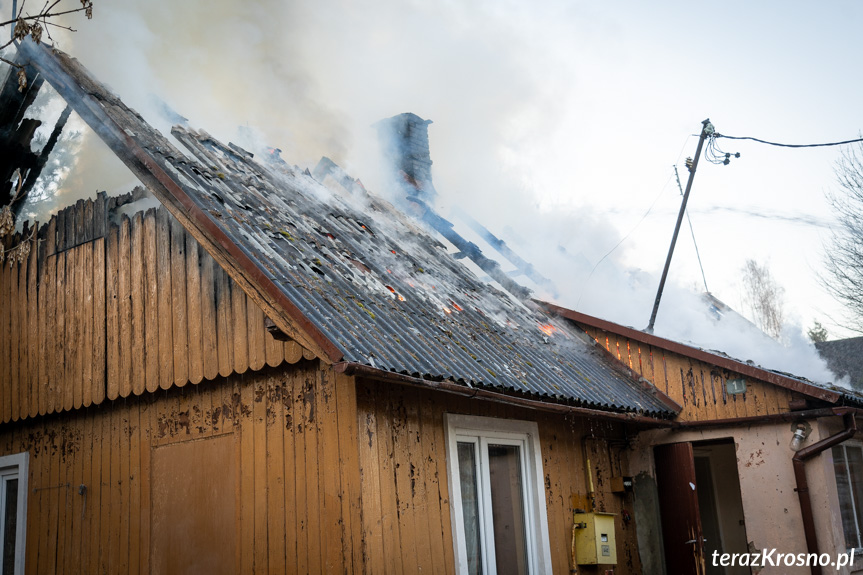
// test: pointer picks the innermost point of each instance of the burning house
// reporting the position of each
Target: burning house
(264, 375)
(246, 367)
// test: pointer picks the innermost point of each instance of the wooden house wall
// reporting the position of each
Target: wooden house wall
(284, 440)
(108, 306)
(697, 386)
(406, 521)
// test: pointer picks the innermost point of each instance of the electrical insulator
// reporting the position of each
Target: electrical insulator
(689, 164)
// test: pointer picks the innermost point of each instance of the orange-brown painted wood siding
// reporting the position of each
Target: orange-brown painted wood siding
(697, 386)
(142, 307)
(406, 521)
(294, 452)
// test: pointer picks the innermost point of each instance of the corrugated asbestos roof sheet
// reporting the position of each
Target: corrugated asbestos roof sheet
(385, 292)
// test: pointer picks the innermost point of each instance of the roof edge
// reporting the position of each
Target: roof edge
(695, 353)
(360, 370)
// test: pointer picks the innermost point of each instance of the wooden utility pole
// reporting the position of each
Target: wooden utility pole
(706, 130)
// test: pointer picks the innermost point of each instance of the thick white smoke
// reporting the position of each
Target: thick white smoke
(541, 111)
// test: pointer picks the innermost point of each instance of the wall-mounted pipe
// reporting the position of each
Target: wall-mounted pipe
(798, 461)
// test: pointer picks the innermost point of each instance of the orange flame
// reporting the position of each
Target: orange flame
(547, 329)
(398, 295)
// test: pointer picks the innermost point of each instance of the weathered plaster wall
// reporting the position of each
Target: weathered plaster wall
(770, 502)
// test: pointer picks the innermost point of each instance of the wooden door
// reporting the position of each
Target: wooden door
(678, 508)
(194, 529)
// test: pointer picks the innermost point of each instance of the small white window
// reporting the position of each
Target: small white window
(848, 465)
(497, 496)
(13, 512)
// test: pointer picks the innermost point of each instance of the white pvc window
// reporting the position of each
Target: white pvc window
(13, 512)
(497, 496)
(848, 465)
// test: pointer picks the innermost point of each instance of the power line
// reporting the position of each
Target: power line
(692, 230)
(789, 145)
(623, 239)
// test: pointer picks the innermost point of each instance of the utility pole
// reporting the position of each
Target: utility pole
(706, 130)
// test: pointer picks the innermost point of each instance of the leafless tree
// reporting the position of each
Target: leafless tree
(763, 296)
(25, 24)
(844, 257)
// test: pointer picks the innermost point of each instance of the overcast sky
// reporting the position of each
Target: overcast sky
(555, 123)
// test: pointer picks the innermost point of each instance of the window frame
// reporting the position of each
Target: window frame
(855, 505)
(485, 430)
(17, 465)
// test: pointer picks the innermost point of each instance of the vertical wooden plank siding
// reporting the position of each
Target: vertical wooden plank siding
(42, 324)
(106, 525)
(11, 409)
(100, 325)
(112, 316)
(140, 307)
(6, 361)
(697, 386)
(139, 351)
(21, 336)
(195, 319)
(240, 330)
(31, 390)
(224, 323)
(124, 309)
(151, 302)
(179, 307)
(63, 386)
(86, 320)
(166, 328)
(208, 317)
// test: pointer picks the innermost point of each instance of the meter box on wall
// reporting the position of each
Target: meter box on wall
(594, 538)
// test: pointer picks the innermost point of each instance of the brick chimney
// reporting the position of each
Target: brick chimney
(405, 143)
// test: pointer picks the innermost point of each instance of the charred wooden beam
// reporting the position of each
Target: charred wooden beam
(16, 131)
(503, 249)
(467, 248)
(42, 159)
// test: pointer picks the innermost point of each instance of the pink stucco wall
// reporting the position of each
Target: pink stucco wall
(770, 503)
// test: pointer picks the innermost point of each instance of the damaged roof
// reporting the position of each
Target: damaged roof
(350, 273)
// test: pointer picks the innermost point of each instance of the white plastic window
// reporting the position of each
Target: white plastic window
(13, 512)
(848, 465)
(497, 496)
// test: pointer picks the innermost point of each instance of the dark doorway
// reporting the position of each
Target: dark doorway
(701, 508)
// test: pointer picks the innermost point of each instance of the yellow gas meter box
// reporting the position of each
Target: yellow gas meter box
(594, 538)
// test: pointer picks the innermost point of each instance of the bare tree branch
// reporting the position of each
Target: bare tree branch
(34, 25)
(844, 255)
(763, 296)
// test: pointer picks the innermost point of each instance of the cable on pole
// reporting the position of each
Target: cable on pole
(789, 145)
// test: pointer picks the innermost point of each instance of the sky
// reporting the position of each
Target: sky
(556, 124)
